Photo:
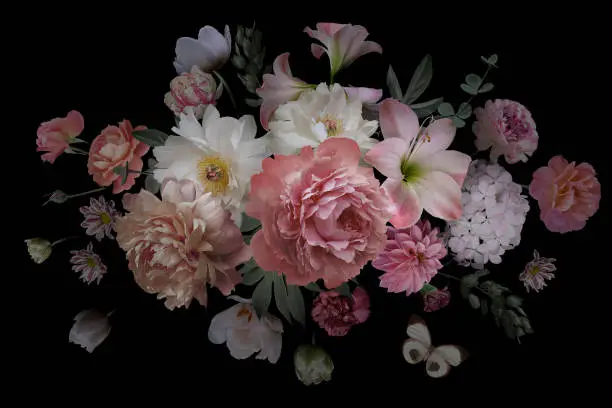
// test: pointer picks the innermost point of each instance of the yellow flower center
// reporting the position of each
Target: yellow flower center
(333, 125)
(213, 174)
(245, 312)
(105, 218)
(534, 270)
(91, 262)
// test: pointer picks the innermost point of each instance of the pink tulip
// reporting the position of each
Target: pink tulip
(421, 173)
(56, 135)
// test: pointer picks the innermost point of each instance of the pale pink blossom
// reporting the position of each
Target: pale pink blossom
(114, 147)
(436, 299)
(507, 128)
(278, 88)
(537, 272)
(196, 89)
(411, 257)
(322, 215)
(369, 98)
(178, 245)
(568, 194)
(421, 173)
(100, 217)
(343, 43)
(56, 135)
(90, 329)
(88, 264)
(210, 51)
(337, 314)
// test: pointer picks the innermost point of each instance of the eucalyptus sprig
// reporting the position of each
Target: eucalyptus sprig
(249, 54)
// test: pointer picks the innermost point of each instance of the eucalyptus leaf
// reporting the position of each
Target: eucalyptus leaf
(344, 290)
(470, 280)
(519, 332)
(521, 311)
(464, 111)
(484, 307)
(446, 109)
(482, 272)
(484, 59)
(393, 84)
(252, 276)
(296, 304)
(468, 89)
(464, 290)
(249, 223)
(238, 61)
(151, 185)
(492, 59)
(508, 325)
(473, 80)
(514, 301)
(151, 137)
(253, 103)
(424, 109)
(420, 80)
(428, 288)
(280, 296)
(313, 287)
(262, 295)
(526, 325)
(486, 87)
(458, 122)
(252, 68)
(474, 301)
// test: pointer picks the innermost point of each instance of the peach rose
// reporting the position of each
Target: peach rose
(114, 147)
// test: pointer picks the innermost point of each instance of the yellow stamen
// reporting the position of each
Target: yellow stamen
(534, 270)
(245, 312)
(105, 218)
(213, 174)
(332, 124)
(91, 262)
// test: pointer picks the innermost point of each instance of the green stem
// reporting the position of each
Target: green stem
(226, 86)
(86, 192)
(59, 241)
(331, 78)
(458, 279)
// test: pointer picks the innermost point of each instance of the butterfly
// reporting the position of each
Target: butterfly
(418, 348)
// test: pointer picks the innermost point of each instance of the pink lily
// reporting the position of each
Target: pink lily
(279, 88)
(343, 43)
(369, 98)
(421, 173)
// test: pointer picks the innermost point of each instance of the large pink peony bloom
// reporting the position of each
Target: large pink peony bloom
(179, 244)
(55, 136)
(337, 314)
(507, 128)
(116, 146)
(343, 43)
(410, 258)
(421, 173)
(567, 194)
(322, 215)
(278, 88)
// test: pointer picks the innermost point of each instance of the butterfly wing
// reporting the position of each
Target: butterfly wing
(417, 330)
(414, 351)
(442, 358)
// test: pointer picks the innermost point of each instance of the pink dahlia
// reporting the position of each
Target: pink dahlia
(537, 272)
(411, 257)
(179, 244)
(337, 314)
(436, 299)
(88, 264)
(56, 135)
(322, 215)
(568, 194)
(507, 128)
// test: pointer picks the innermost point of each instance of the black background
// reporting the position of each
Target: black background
(114, 65)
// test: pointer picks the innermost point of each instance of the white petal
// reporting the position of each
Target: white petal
(222, 323)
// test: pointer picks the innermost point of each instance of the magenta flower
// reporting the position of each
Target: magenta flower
(56, 135)
(343, 44)
(88, 264)
(507, 128)
(411, 257)
(421, 173)
(436, 299)
(337, 314)
(100, 217)
(196, 89)
(537, 271)
(278, 88)
(568, 194)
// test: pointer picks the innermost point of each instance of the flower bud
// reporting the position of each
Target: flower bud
(58, 197)
(196, 89)
(90, 329)
(39, 249)
(312, 364)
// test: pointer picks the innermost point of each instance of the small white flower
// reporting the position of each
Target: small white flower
(90, 329)
(39, 249)
(99, 217)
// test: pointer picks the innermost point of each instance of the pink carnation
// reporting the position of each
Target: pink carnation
(55, 136)
(179, 244)
(337, 314)
(322, 215)
(114, 147)
(507, 128)
(410, 258)
(436, 300)
(567, 194)
(196, 89)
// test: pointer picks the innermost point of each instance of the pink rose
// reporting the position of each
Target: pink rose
(197, 89)
(567, 194)
(114, 147)
(55, 136)
(337, 314)
(178, 245)
(322, 215)
(436, 300)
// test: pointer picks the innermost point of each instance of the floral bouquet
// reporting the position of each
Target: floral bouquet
(283, 221)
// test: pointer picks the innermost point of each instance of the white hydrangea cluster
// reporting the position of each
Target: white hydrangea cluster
(493, 215)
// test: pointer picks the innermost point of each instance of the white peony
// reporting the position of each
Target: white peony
(317, 115)
(220, 154)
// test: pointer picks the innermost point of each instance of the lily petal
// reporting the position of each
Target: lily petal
(398, 120)
(386, 157)
(407, 208)
(441, 134)
(440, 195)
(451, 162)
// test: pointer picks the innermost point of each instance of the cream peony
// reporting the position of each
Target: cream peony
(221, 155)
(317, 115)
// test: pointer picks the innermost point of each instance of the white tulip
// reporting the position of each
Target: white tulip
(90, 329)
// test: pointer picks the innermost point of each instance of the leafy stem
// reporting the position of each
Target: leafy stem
(226, 86)
(459, 280)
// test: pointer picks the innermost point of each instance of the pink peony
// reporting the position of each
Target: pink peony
(567, 194)
(337, 314)
(436, 300)
(55, 136)
(179, 244)
(196, 89)
(507, 128)
(410, 258)
(114, 147)
(322, 215)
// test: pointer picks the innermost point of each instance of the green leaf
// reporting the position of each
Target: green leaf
(296, 304)
(420, 80)
(151, 185)
(257, 40)
(468, 89)
(508, 325)
(238, 61)
(465, 110)
(76, 140)
(248, 265)
(252, 276)
(526, 325)
(470, 280)
(280, 296)
(514, 301)
(121, 171)
(473, 80)
(151, 137)
(262, 295)
(252, 68)
(427, 288)
(446, 109)
(484, 59)
(240, 34)
(474, 301)
(484, 307)
(253, 103)
(313, 287)
(492, 59)
(247, 238)
(249, 223)
(393, 84)
(485, 88)
(458, 122)
(151, 163)
(424, 109)
(343, 289)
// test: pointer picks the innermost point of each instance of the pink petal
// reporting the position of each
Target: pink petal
(386, 157)
(365, 95)
(451, 162)
(398, 120)
(345, 151)
(407, 207)
(441, 134)
(317, 50)
(440, 195)
(74, 124)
